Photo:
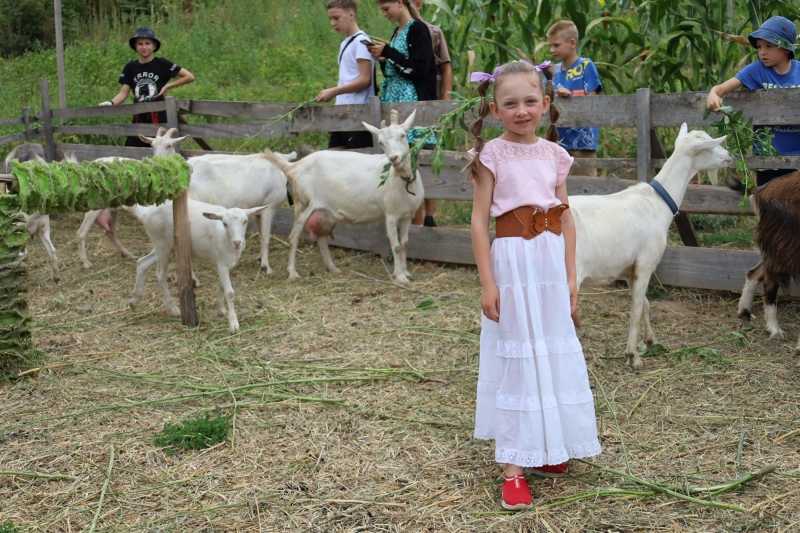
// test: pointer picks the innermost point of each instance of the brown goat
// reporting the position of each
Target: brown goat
(777, 205)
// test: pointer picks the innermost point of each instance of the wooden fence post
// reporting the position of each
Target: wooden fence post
(183, 244)
(375, 118)
(47, 119)
(26, 119)
(643, 148)
(682, 221)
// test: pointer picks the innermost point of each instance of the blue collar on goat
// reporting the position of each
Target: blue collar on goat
(667, 198)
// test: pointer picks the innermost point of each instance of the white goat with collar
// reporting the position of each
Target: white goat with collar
(624, 235)
(343, 187)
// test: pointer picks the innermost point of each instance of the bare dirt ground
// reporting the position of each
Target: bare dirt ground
(352, 409)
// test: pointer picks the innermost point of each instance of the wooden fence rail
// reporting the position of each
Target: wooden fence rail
(645, 111)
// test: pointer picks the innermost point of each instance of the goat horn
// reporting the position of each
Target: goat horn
(171, 131)
(160, 131)
(394, 117)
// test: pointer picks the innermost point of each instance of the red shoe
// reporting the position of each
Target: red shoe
(516, 494)
(549, 470)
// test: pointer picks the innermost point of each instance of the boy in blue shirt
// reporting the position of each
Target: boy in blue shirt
(574, 76)
(775, 69)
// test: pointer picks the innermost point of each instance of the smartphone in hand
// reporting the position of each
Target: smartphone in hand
(365, 42)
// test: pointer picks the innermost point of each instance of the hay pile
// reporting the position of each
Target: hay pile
(351, 408)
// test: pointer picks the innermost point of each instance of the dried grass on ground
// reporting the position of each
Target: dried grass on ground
(353, 411)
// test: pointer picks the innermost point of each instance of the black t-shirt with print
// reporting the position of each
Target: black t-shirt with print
(146, 80)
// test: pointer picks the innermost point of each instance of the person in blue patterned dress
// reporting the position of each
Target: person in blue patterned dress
(407, 62)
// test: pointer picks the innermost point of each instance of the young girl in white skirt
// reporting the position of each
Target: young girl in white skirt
(534, 398)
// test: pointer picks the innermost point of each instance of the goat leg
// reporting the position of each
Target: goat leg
(142, 266)
(771, 308)
(397, 250)
(322, 243)
(43, 232)
(754, 276)
(112, 236)
(227, 289)
(638, 284)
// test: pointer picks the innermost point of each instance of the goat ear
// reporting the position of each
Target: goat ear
(699, 146)
(409, 121)
(212, 216)
(254, 210)
(179, 140)
(148, 140)
(372, 129)
(684, 130)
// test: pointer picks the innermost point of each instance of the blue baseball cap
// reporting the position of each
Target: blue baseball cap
(779, 31)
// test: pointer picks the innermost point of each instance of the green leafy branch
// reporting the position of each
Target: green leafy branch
(447, 121)
(744, 139)
(288, 117)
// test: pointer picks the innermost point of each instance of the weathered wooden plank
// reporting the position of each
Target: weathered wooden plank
(49, 147)
(375, 120)
(20, 137)
(236, 131)
(90, 152)
(107, 111)
(777, 107)
(26, 120)
(127, 130)
(11, 122)
(708, 268)
(250, 110)
(201, 142)
(644, 169)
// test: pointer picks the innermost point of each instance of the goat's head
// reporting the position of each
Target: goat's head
(163, 144)
(25, 152)
(707, 152)
(235, 222)
(392, 138)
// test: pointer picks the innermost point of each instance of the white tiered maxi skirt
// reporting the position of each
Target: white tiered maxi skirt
(534, 398)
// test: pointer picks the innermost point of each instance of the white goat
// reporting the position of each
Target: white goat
(625, 234)
(244, 182)
(217, 237)
(343, 187)
(36, 224)
(163, 146)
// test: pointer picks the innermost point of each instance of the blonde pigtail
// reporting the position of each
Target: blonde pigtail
(549, 90)
(476, 128)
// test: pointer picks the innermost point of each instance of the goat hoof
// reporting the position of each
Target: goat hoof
(294, 275)
(334, 270)
(233, 327)
(56, 279)
(174, 311)
(87, 265)
(777, 335)
(134, 304)
(637, 364)
(221, 311)
(127, 255)
(266, 269)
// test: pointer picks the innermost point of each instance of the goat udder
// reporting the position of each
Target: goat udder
(316, 225)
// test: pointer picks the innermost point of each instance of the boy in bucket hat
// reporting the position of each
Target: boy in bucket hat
(148, 77)
(775, 69)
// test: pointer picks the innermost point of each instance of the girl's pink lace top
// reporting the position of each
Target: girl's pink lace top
(524, 174)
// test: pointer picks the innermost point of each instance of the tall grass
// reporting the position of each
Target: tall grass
(241, 50)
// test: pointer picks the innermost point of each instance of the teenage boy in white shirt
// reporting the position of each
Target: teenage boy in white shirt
(356, 73)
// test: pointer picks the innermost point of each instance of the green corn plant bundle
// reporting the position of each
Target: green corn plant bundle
(68, 187)
(16, 343)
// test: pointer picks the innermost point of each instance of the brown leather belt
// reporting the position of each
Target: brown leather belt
(528, 222)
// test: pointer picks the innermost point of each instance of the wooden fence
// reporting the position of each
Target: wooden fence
(684, 266)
